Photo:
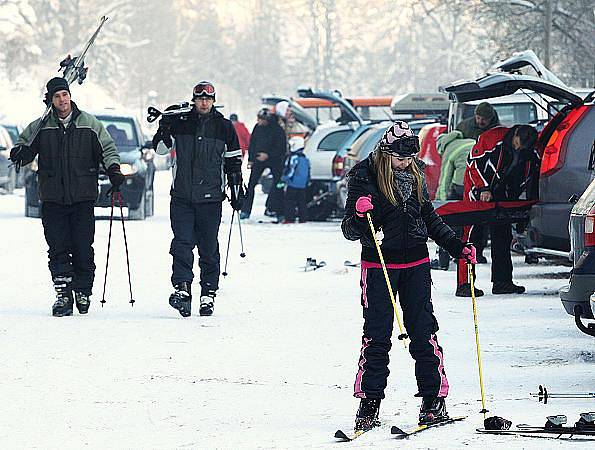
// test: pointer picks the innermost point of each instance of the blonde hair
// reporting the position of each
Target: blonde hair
(386, 181)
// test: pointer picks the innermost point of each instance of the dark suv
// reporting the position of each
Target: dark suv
(136, 163)
(566, 148)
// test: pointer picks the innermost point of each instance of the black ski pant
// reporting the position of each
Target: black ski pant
(275, 199)
(500, 250)
(412, 282)
(69, 232)
(195, 225)
(295, 199)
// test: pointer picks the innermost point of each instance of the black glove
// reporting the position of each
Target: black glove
(163, 134)
(234, 181)
(17, 154)
(115, 177)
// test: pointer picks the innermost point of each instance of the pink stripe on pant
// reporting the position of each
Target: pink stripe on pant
(360, 373)
(443, 381)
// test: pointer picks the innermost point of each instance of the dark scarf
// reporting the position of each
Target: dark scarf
(405, 181)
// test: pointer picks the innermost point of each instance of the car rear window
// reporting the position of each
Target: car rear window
(122, 131)
(333, 141)
(509, 113)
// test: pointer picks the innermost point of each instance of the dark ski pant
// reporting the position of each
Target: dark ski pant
(501, 236)
(412, 283)
(69, 232)
(295, 198)
(195, 225)
(275, 199)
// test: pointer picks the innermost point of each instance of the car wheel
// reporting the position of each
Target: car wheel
(140, 212)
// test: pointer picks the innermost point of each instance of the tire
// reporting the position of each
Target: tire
(140, 212)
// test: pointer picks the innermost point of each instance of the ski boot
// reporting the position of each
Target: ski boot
(366, 417)
(82, 302)
(63, 304)
(507, 287)
(181, 299)
(464, 290)
(207, 304)
(432, 410)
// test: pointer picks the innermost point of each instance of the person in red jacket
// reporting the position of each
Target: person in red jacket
(502, 166)
(242, 132)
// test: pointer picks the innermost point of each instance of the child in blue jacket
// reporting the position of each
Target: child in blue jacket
(296, 175)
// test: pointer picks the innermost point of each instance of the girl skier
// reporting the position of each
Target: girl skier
(390, 186)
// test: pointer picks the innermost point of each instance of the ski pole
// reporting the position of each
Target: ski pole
(109, 243)
(242, 254)
(126, 247)
(472, 282)
(233, 213)
(402, 336)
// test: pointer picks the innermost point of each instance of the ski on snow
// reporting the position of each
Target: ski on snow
(554, 428)
(398, 432)
(405, 433)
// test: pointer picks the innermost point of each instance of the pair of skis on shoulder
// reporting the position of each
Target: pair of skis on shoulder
(399, 433)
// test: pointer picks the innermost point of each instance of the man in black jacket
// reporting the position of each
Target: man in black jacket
(268, 148)
(207, 148)
(70, 147)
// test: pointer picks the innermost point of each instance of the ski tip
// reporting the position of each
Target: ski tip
(340, 434)
(396, 430)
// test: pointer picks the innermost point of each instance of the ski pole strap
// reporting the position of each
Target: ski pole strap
(402, 336)
(109, 243)
(479, 365)
(119, 194)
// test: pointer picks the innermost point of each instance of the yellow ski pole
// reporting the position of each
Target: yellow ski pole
(402, 336)
(472, 282)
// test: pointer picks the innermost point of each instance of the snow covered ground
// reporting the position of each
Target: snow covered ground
(274, 367)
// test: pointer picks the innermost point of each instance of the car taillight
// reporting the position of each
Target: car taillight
(590, 228)
(554, 153)
(338, 166)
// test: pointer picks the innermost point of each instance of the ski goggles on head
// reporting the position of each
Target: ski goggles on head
(404, 147)
(203, 89)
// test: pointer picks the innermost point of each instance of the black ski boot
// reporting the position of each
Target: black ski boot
(507, 287)
(63, 304)
(181, 299)
(82, 302)
(367, 414)
(432, 410)
(464, 290)
(207, 304)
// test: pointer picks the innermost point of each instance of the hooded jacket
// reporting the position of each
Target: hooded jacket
(453, 149)
(69, 158)
(405, 226)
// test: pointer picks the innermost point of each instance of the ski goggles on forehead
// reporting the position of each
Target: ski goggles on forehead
(204, 89)
(403, 147)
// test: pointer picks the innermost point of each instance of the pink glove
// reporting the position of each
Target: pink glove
(363, 205)
(469, 254)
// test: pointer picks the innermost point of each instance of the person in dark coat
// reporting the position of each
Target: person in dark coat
(390, 186)
(207, 150)
(484, 118)
(70, 148)
(268, 147)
